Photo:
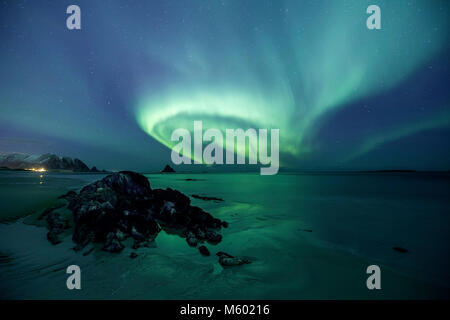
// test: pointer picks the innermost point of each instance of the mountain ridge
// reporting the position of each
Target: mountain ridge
(47, 161)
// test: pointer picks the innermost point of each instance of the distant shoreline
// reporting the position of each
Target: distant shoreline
(307, 172)
(403, 171)
(54, 171)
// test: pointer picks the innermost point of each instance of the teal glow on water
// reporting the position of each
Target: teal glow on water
(355, 221)
(22, 193)
(366, 214)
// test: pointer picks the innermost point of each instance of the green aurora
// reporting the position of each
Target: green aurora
(139, 70)
(291, 73)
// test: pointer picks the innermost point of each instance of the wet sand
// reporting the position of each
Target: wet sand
(287, 262)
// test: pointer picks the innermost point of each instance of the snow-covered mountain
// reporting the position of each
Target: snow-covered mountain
(47, 161)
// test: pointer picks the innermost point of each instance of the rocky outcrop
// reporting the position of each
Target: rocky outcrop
(227, 260)
(167, 169)
(57, 224)
(204, 251)
(133, 255)
(400, 249)
(122, 206)
(196, 196)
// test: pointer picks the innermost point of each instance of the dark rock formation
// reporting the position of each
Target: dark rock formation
(123, 205)
(206, 198)
(191, 239)
(228, 260)
(88, 251)
(49, 210)
(113, 243)
(56, 224)
(212, 236)
(167, 169)
(69, 195)
(400, 249)
(133, 255)
(204, 251)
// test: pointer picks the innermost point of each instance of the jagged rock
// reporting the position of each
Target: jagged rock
(148, 243)
(200, 234)
(68, 196)
(124, 182)
(167, 169)
(49, 210)
(88, 251)
(137, 236)
(206, 198)
(400, 249)
(173, 196)
(191, 239)
(213, 236)
(56, 225)
(53, 237)
(204, 250)
(113, 243)
(228, 260)
(123, 205)
(55, 221)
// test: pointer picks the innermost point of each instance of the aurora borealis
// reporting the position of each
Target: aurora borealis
(343, 96)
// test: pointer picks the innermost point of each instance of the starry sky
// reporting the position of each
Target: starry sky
(344, 97)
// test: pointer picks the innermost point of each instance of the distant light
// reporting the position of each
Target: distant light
(37, 169)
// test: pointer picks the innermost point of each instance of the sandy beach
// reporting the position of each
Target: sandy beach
(290, 242)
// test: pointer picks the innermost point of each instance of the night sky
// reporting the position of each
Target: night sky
(344, 97)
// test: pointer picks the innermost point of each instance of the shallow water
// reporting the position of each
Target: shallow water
(22, 193)
(354, 219)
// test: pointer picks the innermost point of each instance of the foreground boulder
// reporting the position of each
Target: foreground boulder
(204, 251)
(123, 205)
